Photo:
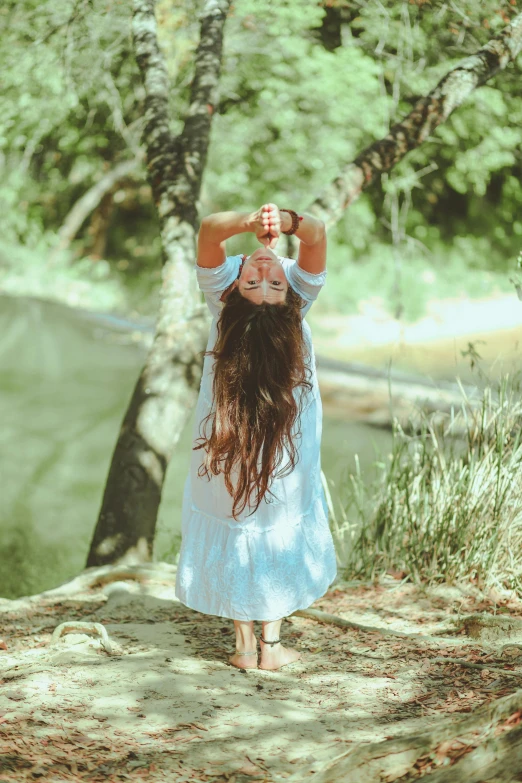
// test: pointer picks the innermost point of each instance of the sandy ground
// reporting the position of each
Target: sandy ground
(166, 705)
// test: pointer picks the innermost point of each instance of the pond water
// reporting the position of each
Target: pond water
(65, 380)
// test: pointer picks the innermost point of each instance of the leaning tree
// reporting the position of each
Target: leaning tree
(167, 387)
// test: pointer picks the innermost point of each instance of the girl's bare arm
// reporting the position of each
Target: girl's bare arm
(312, 248)
(215, 230)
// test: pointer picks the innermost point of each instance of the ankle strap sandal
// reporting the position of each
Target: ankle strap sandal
(265, 641)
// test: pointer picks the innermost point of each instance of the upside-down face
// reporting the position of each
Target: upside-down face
(263, 278)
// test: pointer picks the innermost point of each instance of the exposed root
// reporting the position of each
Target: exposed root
(78, 626)
(469, 665)
(331, 619)
(474, 748)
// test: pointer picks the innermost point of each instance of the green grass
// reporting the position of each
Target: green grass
(446, 505)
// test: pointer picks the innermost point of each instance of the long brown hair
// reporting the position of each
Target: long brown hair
(260, 358)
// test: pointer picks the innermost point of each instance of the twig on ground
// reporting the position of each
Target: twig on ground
(469, 665)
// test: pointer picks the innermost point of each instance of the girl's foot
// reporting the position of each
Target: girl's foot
(246, 642)
(244, 661)
(273, 656)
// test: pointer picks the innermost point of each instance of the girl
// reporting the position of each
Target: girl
(256, 544)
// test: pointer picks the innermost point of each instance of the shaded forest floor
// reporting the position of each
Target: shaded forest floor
(163, 704)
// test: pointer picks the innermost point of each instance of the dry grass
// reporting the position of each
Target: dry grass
(447, 502)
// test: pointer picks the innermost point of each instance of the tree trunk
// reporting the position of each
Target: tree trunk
(166, 390)
(99, 227)
(415, 128)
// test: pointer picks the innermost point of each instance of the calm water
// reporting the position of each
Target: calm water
(65, 381)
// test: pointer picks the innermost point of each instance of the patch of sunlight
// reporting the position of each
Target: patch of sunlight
(108, 545)
(113, 703)
(136, 554)
(188, 576)
(152, 466)
(41, 681)
(190, 666)
(443, 319)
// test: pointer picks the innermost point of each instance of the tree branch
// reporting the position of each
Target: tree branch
(90, 200)
(429, 112)
(176, 165)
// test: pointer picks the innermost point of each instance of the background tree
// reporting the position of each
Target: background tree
(166, 388)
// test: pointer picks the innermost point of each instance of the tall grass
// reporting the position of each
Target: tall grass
(447, 502)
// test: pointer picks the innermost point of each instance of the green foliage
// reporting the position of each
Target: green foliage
(70, 107)
(294, 108)
(300, 111)
(461, 269)
(29, 563)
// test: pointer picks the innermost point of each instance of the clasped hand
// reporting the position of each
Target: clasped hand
(267, 225)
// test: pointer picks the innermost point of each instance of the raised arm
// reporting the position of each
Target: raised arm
(266, 223)
(220, 226)
(312, 236)
(215, 230)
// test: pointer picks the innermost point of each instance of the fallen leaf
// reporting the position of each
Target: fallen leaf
(513, 720)
(15, 695)
(248, 769)
(443, 750)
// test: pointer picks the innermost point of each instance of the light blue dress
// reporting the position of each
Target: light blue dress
(282, 557)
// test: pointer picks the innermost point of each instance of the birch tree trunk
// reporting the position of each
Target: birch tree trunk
(166, 390)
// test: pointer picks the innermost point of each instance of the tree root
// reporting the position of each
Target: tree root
(98, 576)
(482, 627)
(77, 626)
(497, 758)
(485, 744)
(490, 628)
(332, 619)
(510, 644)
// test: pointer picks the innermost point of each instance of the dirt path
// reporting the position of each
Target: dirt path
(166, 706)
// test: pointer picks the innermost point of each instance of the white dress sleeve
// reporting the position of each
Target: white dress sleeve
(306, 284)
(213, 281)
